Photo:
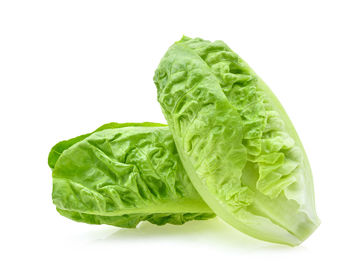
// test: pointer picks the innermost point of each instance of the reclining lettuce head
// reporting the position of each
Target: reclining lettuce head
(123, 174)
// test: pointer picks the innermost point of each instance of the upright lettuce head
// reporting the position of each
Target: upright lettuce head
(236, 142)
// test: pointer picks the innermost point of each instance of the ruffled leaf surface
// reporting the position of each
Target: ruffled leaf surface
(123, 174)
(236, 142)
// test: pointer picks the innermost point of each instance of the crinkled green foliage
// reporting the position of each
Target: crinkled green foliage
(236, 142)
(122, 174)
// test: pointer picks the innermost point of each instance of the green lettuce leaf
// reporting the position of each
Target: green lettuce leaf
(123, 174)
(61, 146)
(236, 142)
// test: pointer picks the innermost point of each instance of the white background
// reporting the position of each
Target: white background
(67, 67)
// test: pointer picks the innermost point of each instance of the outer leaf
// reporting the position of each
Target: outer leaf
(58, 148)
(236, 142)
(122, 174)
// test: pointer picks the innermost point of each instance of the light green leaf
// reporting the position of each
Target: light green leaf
(122, 174)
(236, 142)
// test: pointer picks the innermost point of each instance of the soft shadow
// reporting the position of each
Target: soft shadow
(208, 232)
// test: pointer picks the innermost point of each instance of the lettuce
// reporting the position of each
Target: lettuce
(236, 142)
(123, 174)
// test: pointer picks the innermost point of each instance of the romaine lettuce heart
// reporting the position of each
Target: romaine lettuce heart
(123, 174)
(236, 142)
